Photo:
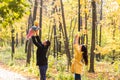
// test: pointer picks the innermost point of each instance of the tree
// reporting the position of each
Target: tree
(40, 20)
(80, 21)
(12, 43)
(100, 36)
(22, 38)
(91, 69)
(79, 16)
(12, 11)
(29, 42)
(86, 22)
(66, 42)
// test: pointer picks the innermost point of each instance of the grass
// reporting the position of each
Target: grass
(57, 68)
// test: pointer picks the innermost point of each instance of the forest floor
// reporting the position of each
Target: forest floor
(105, 71)
(7, 73)
(102, 70)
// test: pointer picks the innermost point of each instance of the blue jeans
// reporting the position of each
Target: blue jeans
(77, 76)
(43, 70)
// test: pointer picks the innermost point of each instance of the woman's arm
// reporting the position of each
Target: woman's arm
(76, 44)
(76, 39)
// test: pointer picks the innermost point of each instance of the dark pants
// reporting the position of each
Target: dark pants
(77, 77)
(43, 70)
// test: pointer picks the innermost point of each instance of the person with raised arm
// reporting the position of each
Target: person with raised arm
(41, 59)
(80, 58)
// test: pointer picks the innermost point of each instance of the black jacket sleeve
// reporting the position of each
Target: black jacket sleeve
(38, 44)
(38, 39)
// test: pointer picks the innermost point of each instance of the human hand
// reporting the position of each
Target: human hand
(77, 36)
(34, 33)
(37, 32)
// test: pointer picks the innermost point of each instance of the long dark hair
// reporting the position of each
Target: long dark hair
(85, 56)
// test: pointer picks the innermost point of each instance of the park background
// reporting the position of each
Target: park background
(98, 22)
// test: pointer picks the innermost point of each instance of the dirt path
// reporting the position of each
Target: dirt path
(6, 74)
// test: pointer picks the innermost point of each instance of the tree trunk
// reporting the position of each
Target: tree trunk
(12, 45)
(79, 18)
(22, 38)
(100, 36)
(26, 44)
(82, 37)
(86, 35)
(54, 27)
(40, 20)
(66, 42)
(35, 11)
(91, 69)
(50, 38)
(78, 15)
(59, 42)
(29, 52)
(16, 39)
(30, 44)
(73, 35)
(113, 56)
(96, 37)
(29, 24)
(56, 41)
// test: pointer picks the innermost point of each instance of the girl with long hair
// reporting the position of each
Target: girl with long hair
(80, 58)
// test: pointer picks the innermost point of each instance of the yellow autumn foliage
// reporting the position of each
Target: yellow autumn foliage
(109, 47)
(102, 50)
(118, 1)
(86, 11)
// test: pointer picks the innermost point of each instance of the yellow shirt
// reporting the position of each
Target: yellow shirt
(77, 65)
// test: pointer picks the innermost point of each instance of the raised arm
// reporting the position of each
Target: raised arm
(38, 39)
(38, 44)
(76, 44)
(76, 39)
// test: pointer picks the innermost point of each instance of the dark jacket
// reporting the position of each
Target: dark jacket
(41, 51)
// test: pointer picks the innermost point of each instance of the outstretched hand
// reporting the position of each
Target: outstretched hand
(77, 36)
(37, 32)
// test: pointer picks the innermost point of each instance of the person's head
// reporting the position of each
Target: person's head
(36, 23)
(46, 43)
(84, 53)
